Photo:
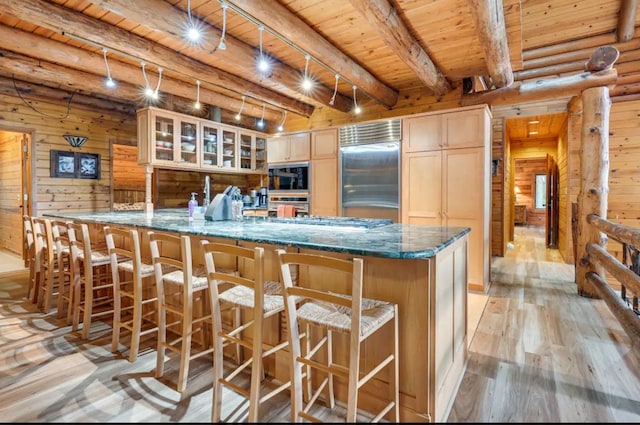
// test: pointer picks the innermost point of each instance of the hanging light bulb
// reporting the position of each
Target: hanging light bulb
(263, 61)
(307, 83)
(193, 30)
(108, 82)
(261, 121)
(335, 91)
(222, 45)
(197, 104)
(281, 126)
(239, 114)
(356, 108)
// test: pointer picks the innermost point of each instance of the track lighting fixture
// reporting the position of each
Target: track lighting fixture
(148, 91)
(108, 82)
(261, 121)
(307, 83)
(356, 108)
(335, 91)
(263, 61)
(223, 45)
(281, 126)
(239, 114)
(197, 104)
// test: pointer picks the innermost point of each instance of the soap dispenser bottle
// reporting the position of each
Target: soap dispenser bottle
(193, 203)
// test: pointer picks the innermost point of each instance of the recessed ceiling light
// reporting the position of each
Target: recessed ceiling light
(531, 133)
(534, 122)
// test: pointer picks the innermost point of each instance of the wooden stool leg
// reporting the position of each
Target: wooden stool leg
(354, 378)
(395, 380)
(332, 400)
(88, 302)
(185, 349)
(218, 368)
(162, 335)
(117, 317)
(256, 369)
(136, 328)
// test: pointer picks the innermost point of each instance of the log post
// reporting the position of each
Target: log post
(594, 181)
(148, 201)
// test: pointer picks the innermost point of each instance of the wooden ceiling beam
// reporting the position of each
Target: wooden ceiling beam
(492, 32)
(542, 89)
(38, 92)
(169, 21)
(53, 51)
(626, 20)
(92, 31)
(384, 19)
(288, 26)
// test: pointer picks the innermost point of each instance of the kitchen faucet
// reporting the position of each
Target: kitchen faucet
(207, 191)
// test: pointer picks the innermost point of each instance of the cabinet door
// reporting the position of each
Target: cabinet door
(422, 188)
(422, 133)
(247, 142)
(188, 147)
(324, 144)
(260, 154)
(278, 149)
(163, 138)
(229, 149)
(299, 147)
(463, 201)
(211, 141)
(464, 129)
(324, 187)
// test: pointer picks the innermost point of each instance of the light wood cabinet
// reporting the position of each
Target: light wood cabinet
(451, 186)
(451, 130)
(324, 143)
(173, 140)
(289, 148)
(324, 173)
(168, 139)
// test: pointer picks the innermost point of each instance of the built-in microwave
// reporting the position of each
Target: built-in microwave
(289, 177)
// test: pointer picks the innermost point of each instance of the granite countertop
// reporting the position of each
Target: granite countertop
(377, 240)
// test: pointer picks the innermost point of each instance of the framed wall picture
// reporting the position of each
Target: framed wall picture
(63, 164)
(77, 165)
(88, 165)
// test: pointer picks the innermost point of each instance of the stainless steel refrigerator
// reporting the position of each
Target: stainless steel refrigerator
(370, 170)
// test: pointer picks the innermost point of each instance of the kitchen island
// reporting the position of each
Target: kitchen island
(421, 268)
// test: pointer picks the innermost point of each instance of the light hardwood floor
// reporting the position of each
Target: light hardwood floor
(540, 353)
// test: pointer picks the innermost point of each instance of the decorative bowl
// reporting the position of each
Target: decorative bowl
(189, 147)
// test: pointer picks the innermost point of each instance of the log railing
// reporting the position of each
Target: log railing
(627, 275)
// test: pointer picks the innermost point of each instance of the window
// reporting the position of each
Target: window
(541, 191)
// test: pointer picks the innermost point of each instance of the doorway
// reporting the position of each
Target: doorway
(15, 180)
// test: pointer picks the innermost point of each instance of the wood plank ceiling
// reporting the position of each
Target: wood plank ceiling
(387, 49)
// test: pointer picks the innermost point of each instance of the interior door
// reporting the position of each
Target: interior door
(552, 203)
(25, 204)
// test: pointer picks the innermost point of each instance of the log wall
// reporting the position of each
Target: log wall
(47, 124)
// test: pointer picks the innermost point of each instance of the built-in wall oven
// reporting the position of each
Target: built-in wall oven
(289, 184)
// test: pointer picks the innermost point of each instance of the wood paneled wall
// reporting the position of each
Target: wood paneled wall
(565, 240)
(48, 122)
(10, 192)
(175, 187)
(499, 214)
(128, 177)
(524, 179)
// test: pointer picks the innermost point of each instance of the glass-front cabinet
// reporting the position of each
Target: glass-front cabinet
(173, 140)
(253, 151)
(210, 144)
(229, 148)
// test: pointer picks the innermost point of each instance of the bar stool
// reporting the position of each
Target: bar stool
(136, 288)
(92, 283)
(51, 266)
(62, 248)
(184, 295)
(33, 255)
(343, 310)
(238, 290)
